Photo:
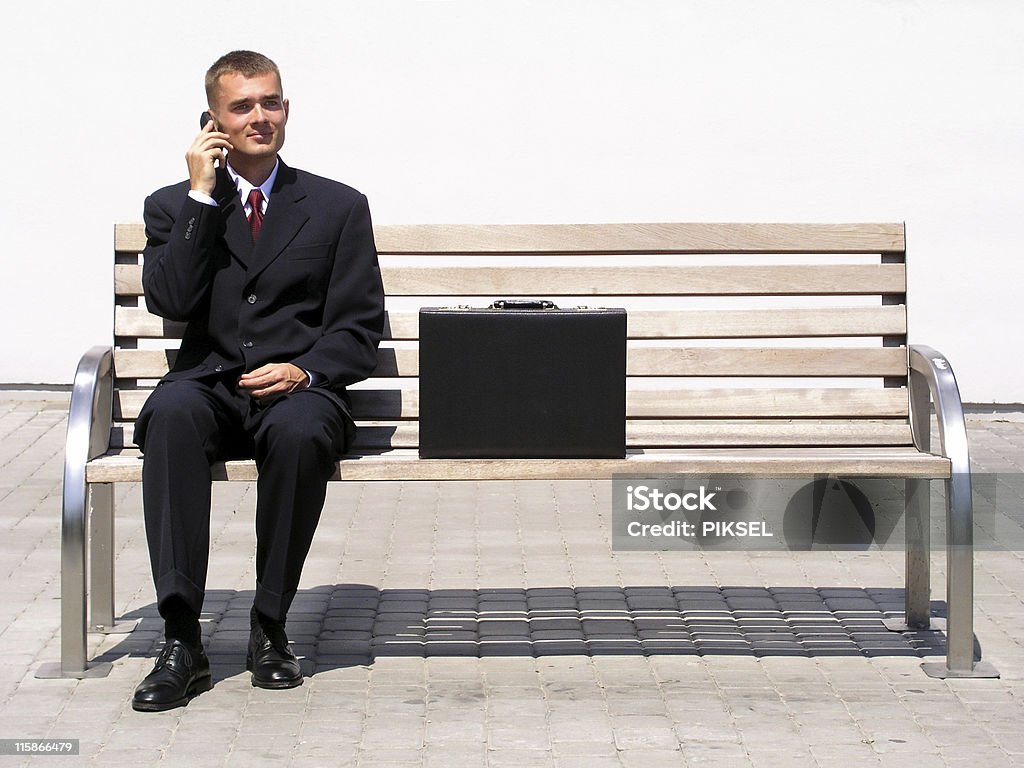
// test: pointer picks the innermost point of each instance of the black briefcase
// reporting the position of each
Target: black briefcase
(522, 380)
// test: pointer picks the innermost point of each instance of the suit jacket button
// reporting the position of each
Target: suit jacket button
(252, 298)
(219, 368)
(247, 344)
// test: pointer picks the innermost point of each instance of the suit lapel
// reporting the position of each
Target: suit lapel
(236, 227)
(284, 218)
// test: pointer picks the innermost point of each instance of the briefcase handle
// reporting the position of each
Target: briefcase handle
(523, 304)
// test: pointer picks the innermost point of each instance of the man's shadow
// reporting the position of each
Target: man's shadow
(343, 625)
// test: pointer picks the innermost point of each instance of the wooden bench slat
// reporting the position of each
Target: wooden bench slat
(644, 361)
(681, 433)
(770, 322)
(767, 323)
(406, 465)
(776, 462)
(371, 435)
(127, 279)
(678, 433)
(143, 363)
(401, 326)
(403, 403)
(766, 361)
(692, 433)
(132, 322)
(744, 280)
(642, 238)
(840, 280)
(129, 237)
(604, 238)
(135, 322)
(767, 403)
(155, 363)
(377, 404)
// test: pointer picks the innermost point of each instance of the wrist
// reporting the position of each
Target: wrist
(299, 376)
(203, 182)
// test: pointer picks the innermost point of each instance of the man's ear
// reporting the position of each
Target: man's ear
(213, 114)
(285, 102)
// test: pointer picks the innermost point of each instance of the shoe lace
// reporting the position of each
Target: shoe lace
(274, 632)
(169, 655)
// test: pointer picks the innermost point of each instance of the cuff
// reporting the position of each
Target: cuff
(201, 197)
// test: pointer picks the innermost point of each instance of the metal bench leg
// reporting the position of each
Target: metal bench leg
(101, 563)
(72, 583)
(917, 519)
(960, 586)
(918, 557)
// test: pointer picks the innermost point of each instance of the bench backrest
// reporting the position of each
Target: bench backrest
(739, 334)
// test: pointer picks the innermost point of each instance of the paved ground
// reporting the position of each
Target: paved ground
(492, 625)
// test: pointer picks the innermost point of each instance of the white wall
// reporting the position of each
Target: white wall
(498, 111)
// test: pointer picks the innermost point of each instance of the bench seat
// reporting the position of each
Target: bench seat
(404, 464)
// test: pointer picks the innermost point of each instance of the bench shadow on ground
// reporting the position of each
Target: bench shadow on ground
(343, 625)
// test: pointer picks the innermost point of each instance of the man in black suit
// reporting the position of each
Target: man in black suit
(275, 272)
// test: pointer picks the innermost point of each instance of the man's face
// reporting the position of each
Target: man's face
(252, 112)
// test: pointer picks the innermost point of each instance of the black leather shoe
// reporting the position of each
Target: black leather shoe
(179, 674)
(270, 658)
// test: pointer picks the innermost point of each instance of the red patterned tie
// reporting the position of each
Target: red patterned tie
(256, 213)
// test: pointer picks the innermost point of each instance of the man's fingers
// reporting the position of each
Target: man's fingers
(260, 393)
(212, 150)
(219, 140)
(202, 157)
(206, 137)
(210, 145)
(260, 386)
(273, 378)
(258, 382)
(263, 376)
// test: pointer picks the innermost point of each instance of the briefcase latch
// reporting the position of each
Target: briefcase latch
(523, 304)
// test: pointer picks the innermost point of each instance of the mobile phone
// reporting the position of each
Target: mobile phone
(204, 118)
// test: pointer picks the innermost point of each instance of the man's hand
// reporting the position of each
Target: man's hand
(202, 156)
(274, 379)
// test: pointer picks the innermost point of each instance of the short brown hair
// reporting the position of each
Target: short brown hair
(245, 63)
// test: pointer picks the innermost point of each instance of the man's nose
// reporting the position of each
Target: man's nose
(258, 115)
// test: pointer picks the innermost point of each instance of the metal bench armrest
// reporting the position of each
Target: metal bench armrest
(88, 436)
(90, 414)
(931, 368)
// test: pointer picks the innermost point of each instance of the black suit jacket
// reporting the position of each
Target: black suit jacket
(308, 292)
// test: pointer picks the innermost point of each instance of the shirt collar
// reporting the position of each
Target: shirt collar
(244, 187)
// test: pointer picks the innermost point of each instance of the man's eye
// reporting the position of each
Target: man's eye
(241, 108)
(272, 104)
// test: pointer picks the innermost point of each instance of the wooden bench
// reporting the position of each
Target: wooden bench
(769, 349)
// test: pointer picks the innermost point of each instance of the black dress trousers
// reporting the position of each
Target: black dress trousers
(188, 424)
